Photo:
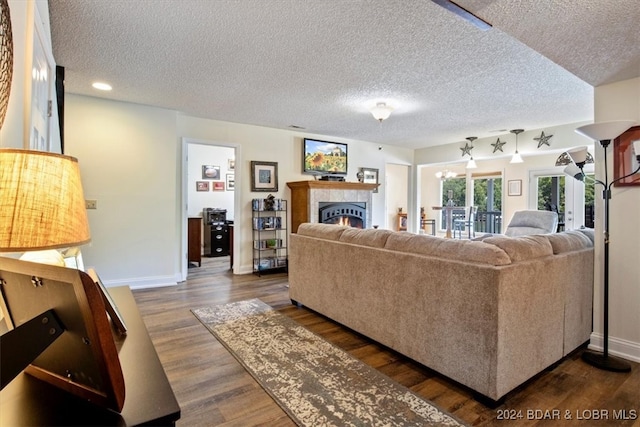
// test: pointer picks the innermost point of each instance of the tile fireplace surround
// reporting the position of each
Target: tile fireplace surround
(307, 195)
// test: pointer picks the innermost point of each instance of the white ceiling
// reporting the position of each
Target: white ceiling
(317, 64)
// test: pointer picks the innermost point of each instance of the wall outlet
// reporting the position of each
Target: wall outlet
(91, 204)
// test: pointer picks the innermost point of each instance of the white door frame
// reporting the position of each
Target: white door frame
(184, 199)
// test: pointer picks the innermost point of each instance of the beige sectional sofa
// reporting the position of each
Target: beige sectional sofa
(488, 314)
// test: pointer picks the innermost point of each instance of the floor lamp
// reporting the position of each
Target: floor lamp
(604, 133)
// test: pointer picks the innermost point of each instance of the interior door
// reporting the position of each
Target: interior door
(551, 187)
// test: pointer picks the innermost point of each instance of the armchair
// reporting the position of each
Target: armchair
(525, 223)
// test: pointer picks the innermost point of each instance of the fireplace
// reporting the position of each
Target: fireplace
(353, 214)
(306, 197)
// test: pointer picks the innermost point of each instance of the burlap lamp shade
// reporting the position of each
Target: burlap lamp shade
(41, 201)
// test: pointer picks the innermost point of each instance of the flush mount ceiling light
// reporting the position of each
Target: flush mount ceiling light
(101, 86)
(517, 158)
(381, 111)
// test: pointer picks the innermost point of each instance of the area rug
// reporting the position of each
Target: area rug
(315, 382)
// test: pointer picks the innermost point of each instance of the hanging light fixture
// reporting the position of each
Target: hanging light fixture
(381, 111)
(471, 164)
(445, 174)
(517, 158)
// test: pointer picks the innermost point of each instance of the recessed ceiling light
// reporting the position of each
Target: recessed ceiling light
(101, 86)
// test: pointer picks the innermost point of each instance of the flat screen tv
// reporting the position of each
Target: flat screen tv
(323, 157)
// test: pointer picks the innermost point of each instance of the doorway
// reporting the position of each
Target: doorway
(210, 173)
(552, 190)
(397, 188)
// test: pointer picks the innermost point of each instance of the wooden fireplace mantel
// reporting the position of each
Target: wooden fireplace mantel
(301, 196)
(331, 185)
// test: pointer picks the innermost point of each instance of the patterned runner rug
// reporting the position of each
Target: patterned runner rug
(315, 382)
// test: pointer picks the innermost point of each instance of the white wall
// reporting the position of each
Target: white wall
(397, 178)
(619, 101)
(130, 161)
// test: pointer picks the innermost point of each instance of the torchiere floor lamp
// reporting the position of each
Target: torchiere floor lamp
(603, 132)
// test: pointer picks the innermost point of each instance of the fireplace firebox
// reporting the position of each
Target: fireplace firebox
(352, 214)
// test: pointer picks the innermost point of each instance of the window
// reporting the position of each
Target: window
(458, 188)
(551, 192)
(487, 196)
(487, 193)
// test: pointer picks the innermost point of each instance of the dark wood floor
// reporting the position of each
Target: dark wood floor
(213, 389)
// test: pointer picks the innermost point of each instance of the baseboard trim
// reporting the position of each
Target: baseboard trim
(144, 282)
(618, 347)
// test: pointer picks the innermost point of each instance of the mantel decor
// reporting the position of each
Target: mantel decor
(370, 176)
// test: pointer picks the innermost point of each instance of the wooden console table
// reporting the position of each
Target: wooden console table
(149, 399)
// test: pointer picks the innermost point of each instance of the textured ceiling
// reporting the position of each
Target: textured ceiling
(318, 64)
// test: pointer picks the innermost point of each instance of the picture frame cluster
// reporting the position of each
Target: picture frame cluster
(212, 178)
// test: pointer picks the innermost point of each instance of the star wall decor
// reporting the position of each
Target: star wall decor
(498, 145)
(466, 149)
(543, 140)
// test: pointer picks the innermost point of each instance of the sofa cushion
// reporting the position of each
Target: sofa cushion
(522, 248)
(321, 231)
(365, 237)
(589, 232)
(461, 250)
(569, 241)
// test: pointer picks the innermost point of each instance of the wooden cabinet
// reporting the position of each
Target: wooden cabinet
(216, 240)
(194, 240)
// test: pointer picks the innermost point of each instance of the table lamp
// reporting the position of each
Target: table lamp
(41, 202)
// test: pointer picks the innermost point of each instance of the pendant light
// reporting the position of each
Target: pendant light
(471, 164)
(517, 158)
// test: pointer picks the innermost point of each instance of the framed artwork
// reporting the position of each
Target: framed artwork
(217, 186)
(110, 305)
(402, 222)
(202, 186)
(210, 172)
(370, 176)
(264, 176)
(624, 158)
(232, 164)
(515, 187)
(231, 182)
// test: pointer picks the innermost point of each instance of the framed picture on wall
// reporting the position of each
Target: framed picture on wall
(370, 176)
(515, 187)
(231, 182)
(624, 160)
(264, 176)
(217, 186)
(202, 186)
(210, 172)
